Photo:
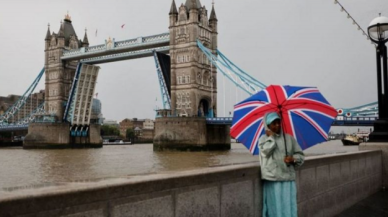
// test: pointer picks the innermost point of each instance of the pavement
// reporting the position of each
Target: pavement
(373, 206)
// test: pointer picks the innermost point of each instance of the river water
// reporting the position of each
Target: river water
(20, 168)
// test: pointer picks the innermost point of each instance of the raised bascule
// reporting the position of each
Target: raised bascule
(187, 60)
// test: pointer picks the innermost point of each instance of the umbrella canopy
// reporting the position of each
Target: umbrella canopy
(305, 114)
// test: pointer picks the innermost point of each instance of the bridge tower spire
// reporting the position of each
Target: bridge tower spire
(48, 38)
(173, 13)
(85, 42)
(59, 74)
(213, 22)
(193, 81)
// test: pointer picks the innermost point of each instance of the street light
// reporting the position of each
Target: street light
(378, 33)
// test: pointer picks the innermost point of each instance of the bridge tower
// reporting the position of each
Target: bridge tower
(60, 74)
(193, 80)
(58, 83)
(193, 83)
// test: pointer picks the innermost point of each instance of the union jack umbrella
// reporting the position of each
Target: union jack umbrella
(305, 114)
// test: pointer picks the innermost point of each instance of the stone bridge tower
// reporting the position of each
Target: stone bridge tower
(193, 80)
(60, 74)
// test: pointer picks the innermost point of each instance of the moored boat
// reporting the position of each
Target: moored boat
(363, 135)
(351, 140)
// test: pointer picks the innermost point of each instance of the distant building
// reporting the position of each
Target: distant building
(130, 124)
(111, 123)
(145, 127)
(148, 124)
(96, 117)
(31, 104)
(147, 135)
(124, 125)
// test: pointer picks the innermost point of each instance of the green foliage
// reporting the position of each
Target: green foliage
(130, 133)
(107, 130)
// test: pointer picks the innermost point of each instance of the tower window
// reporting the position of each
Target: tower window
(179, 80)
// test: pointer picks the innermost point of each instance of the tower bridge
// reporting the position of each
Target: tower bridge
(187, 78)
(69, 86)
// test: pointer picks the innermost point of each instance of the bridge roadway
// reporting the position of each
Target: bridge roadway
(9, 128)
(113, 51)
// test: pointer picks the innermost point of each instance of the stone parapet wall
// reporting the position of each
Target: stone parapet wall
(222, 191)
(329, 184)
(383, 147)
(326, 186)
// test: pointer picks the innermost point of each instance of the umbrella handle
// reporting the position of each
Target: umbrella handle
(288, 164)
(284, 135)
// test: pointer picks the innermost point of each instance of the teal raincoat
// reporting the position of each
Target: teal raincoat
(272, 153)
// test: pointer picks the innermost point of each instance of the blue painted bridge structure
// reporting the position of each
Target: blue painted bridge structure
(152, 46)
(339, 121)
(158, 44)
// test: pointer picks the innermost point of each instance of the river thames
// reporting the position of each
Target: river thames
(33, 168)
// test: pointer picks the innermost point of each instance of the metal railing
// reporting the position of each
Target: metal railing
(354, 121)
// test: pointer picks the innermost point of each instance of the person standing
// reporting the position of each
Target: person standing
(280, 154)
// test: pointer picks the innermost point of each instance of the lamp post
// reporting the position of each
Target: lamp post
(378, 33)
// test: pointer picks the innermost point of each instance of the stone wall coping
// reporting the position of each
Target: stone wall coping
(374, 143)
(339, 155)
(27, 192)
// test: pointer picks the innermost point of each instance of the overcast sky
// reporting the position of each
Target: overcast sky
(298, 42)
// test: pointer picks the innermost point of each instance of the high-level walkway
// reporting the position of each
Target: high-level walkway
(375, 205)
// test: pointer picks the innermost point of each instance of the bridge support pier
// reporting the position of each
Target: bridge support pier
(57, 135)
(190, 134)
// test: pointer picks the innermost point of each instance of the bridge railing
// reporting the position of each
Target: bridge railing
(125, 55)
(342, 118)
(339, 121)
(219, 120)
(354, 121)
(95, 48)
(11, 127)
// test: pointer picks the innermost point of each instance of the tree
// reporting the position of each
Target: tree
(130, 133)
(107, 130)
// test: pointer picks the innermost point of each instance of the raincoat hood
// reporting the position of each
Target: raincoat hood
(272, 153)
(270, 117)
